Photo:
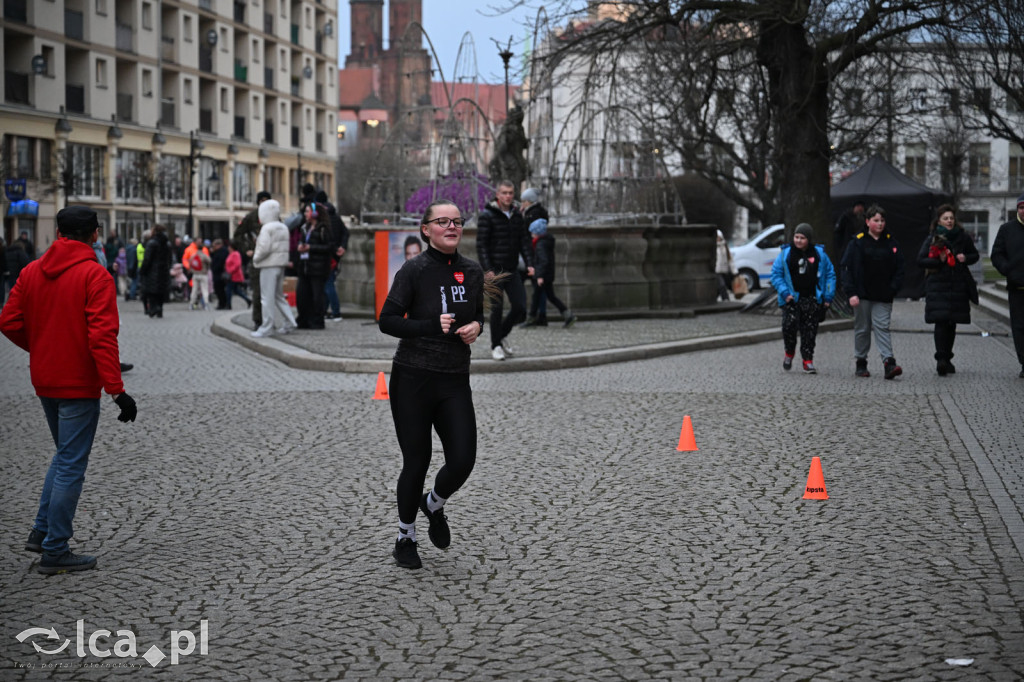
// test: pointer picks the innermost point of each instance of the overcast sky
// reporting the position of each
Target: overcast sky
(446, 21)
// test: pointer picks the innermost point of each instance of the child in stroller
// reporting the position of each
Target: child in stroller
(179, 283)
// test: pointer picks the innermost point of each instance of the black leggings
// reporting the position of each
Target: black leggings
(421, 399)
(800, 316)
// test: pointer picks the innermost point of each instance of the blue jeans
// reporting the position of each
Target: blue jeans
(331, 292)
(72, 423)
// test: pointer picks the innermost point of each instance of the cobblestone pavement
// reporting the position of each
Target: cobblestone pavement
(259, 499)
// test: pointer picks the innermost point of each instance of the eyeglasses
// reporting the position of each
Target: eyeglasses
(445, 221)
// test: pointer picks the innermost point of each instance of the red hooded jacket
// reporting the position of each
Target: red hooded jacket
(63, 311)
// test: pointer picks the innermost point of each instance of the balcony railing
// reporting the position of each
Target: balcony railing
(240, 127)
(16, 87)
(124, 37)
(74, 98)
(241, 73)
(206, 120)
(167, 49)
(268, 77)
(295, 34)
(268, 22)
(206, 59)
(295, 136)
(167, 113)
(16, 10)
(124, 107)
(295, 87)
(74, 25)
(240, 12)
(268, 131)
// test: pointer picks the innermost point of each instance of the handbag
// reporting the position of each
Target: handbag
(739, 286)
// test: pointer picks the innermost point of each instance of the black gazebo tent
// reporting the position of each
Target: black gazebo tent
(909, 208)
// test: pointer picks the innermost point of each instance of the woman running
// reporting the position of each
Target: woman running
(436, 308)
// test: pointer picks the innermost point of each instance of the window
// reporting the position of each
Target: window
(341, 131)
(48, 57)
(171, 180)
(273, 180)
(132, 175)
(283, 61)
(256, 107)
(309, 119)
(975, 223)
(952, 103)
(101, 7)
(186, 29)
(255, 51)
(45, 160)
(187, 90)
(981, 98)
(147, 16)
(147, 83)
(101, 73)
(223, 40)
(210, 175)
(979, 166)
(919, 99)
(224, 105)
(309, 18)
(241, 189)
(914, 161)
(84, 171)
(1016, 167)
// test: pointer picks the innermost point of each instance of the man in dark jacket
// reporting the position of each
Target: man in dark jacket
(155, 272)
(501, 237)
(244, 241)
(63, 311)
(339, 239)
(873, 270)
(533, 210)
(217, 260)
(1008, 259)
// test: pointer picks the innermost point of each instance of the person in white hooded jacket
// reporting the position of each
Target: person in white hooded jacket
(270, 259)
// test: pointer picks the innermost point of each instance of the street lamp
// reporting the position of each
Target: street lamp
(196, 147)
(506, 55)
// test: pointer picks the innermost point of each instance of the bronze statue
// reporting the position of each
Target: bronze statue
(509, 160)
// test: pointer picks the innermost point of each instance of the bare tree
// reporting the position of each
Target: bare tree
(778, 58)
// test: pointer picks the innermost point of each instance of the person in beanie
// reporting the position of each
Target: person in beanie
(873, 272)
(805, 280)
(63, 311)
(1008, 259)
(544, 262)
(945, 256)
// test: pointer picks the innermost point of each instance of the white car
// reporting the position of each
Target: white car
(754, 259)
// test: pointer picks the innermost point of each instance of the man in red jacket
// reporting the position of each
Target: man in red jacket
(63, 311)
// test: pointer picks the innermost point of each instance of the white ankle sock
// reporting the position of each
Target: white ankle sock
(407, 530)
(434, 501)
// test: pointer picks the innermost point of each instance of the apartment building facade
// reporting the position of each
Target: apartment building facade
(171, 111)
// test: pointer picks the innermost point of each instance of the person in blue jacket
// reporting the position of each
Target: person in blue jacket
(805, 280)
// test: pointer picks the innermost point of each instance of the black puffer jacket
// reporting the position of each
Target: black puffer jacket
(535, 212)
(321, 248)
(544, 255)
(155, 271)
(1008, 252)
(948, 289)
(500, 240)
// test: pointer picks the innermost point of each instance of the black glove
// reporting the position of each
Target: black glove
(128, 408)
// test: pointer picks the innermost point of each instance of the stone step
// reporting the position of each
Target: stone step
(993, 300)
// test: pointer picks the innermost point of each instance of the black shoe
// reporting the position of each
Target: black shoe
(943, 367)
(892, 370)
(126, 366)
(65, 563)
(1021, 375)
(570, 319)
(862, 368)
(809, 367)
(35, 541)
(438, 531)
(787, 362)
(951, 369)
(406, 555)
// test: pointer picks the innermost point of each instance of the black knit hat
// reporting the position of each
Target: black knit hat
(77, 221)
(262, 195)
(806, 230)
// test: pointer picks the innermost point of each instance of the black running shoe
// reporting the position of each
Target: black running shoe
(35, 541)
(862, 368)
(787, 362)
(892, 370)
(65, 563)
(405, 554)
(438, 531)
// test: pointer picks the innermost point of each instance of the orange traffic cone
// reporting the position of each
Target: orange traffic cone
(382, 388)
(686, 441)
(815, 482)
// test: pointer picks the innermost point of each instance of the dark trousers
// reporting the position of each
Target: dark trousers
(310, 302)
(254, 285)
(1016, 301)
(800, 316)
(220, 291)
(513, 287)
(421, 400)
(945, 335)
(542, 293)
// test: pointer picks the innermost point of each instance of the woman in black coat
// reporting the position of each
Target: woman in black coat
(313, 264)
(155, 272)
(949, 286)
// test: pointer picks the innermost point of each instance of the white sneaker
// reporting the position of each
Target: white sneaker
(258, 334)
(509, 353)
(283, 330)
(497, 353)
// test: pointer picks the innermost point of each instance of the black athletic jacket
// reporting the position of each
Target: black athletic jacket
(430, 284)
(500, 239)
